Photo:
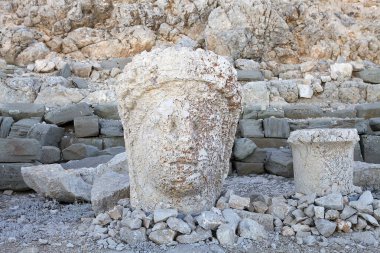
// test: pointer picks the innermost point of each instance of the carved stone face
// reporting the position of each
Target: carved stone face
(182, 136)
(179, 109)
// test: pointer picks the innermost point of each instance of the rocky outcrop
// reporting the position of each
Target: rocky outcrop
(286, 32)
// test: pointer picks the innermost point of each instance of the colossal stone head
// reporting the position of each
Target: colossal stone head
(179, 109)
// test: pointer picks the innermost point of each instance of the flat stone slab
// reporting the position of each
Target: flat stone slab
(248, 168)
(55, 182)
(106, 111)
(250, 75)
(46, 134)
(368, 111)
(21, 128)
(300, 111)
(19, 150)
(88, 162)
(270, 142)
(11, 178)
(68, 113)
(22, 110)
(371, 75)
(323, 136)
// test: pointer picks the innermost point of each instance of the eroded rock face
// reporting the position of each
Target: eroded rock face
(179, 107)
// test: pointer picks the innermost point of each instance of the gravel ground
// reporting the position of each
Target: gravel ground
(32, 224)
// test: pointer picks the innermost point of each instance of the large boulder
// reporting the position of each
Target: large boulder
(104, 198)
(55, 182)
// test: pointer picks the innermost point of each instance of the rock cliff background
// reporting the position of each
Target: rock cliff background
(292, 31)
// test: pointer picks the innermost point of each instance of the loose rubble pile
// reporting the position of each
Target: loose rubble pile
(308, 218)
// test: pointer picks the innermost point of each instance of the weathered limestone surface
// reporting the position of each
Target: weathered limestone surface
(323, 160)
(181, 107)
(55, 182)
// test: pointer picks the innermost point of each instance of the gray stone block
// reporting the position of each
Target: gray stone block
(111, 128)
(374, 123)
(360, 124)
(243, 147)
(371, 148)
(22, 110)
(270, 142)
(46, 134)
(68, 113)
(50, 154)
(251, 128)
(69, 139)
(368, 111)
(259, 156)
(250, 75)
(11, 178)
(107, 111)
(86, 126)
(297, 124)
(13, 150)
(80, 83)
(371, 75)
(243, 168)
(358, 153)
(65, 71)
(115, 63)
(5, 126)
(340, 113)
(21, 128)
(280, 163)
(276, 128)
(105, 198)
(79, 151)
(270, 112)
(89, 162)
(367, 175)
(302, 111)
(113, 142)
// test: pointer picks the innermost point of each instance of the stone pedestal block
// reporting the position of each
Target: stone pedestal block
(87, 126)
(323, 160)
(179, 110)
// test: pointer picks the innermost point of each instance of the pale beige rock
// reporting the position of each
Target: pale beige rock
(323, 160)
(166, 98)
(255, 93)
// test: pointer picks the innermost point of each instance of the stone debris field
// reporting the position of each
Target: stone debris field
(189, 126)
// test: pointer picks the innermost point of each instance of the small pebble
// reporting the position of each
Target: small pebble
(70, 245)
